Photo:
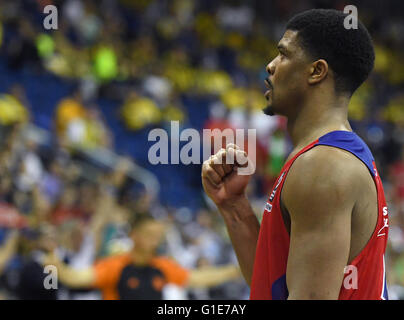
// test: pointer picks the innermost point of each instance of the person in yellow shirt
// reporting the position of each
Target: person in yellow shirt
(138, 112)
(13, 108)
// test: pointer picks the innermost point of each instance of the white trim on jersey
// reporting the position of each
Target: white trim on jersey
(384, 280)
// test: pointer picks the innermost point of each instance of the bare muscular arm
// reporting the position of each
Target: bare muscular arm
(226, 188)
(243, 228)
(319, 194)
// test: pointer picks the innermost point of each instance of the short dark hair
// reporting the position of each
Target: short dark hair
(348, 52)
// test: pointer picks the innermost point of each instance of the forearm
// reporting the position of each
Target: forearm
(243, 228)
(75, 278)
(100, 219)
(213, 276)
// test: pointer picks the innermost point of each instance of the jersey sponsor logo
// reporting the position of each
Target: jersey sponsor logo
(268, 207)
(271, 198)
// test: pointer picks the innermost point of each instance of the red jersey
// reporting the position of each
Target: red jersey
(269, 275)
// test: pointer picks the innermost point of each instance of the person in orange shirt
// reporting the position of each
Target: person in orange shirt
(69, 109)
(140, 273)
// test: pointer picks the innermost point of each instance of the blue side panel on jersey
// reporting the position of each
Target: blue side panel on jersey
(351, 142)
(385, 292)
(279, 289)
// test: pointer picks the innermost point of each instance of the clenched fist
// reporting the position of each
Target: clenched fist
(222, 179)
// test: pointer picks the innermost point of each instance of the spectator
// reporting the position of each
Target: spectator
(141, 274)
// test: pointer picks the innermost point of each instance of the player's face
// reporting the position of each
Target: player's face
(148, 236)
(287, 80)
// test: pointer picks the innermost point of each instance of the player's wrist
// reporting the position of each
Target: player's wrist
(232, 204)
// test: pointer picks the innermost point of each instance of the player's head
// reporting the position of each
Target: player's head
(147, 233)
(317, 53)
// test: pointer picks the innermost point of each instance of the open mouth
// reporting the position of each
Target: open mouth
(268, 83)
(267, 94)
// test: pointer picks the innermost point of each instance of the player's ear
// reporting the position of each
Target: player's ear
(318, 71)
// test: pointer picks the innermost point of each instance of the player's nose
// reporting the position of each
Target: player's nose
(271, 67)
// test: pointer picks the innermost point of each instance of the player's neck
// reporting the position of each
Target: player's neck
(316, 119)
(141, 258)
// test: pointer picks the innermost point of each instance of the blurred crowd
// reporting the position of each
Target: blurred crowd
(201, 63)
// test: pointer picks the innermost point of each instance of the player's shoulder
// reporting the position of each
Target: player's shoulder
(321, 178)
(326, 170)
(329, 161)
(164, 261)
(172, 270)
(114, 260)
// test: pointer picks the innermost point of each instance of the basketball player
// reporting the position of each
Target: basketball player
(326, 217)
